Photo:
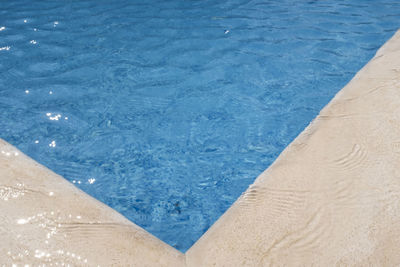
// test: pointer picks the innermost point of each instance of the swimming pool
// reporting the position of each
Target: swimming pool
(167, 110)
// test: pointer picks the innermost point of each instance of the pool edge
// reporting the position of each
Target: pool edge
(280, 218)
(46, 219)
(291, 215)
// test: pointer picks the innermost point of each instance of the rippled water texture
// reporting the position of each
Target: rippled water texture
(167, 110)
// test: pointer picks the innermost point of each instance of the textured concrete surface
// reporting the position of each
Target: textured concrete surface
(331, 198)
(46, 220)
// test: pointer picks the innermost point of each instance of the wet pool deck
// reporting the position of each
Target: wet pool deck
(331, 198)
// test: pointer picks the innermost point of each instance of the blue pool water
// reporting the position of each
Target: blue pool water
(167, 110)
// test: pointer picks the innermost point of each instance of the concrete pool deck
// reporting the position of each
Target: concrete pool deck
(331, 198)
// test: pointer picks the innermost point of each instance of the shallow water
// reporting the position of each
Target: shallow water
(167, 110)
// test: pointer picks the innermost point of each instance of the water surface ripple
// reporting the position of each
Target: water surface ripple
(167, 110)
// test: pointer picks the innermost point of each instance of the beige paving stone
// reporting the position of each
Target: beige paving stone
(46, 220)
(332, 198)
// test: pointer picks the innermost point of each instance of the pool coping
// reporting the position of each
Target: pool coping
(331, 198)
